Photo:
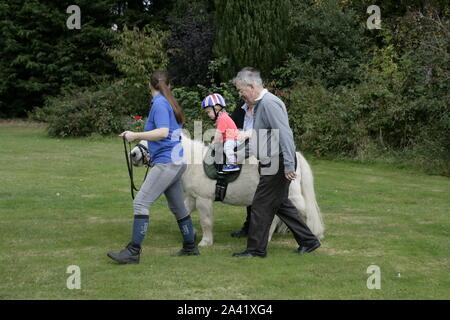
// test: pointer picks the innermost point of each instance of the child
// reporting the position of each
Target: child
(227, 131)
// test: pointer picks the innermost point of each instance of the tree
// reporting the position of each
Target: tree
(41, 56)
(190, 44)
(328, 45)
(251, 33)
(137, 54)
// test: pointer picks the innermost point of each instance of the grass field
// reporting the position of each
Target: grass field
(67, 202)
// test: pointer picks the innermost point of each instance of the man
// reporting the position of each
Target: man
(273, 145)
(243, 117)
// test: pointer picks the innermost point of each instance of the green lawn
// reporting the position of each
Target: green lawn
(67, 202)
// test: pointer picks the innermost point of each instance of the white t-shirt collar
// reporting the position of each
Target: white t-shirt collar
(261, 95)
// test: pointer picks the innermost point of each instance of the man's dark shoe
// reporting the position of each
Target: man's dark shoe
(247, 254)
(187, 250)
(308, 247)
(129, 255)
(241, 233)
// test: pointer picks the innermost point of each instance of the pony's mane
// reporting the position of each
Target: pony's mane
(191, 144)
(196, 143)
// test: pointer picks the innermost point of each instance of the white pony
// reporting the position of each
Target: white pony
(199, 190)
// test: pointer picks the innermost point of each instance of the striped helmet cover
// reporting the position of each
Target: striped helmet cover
(212, 100)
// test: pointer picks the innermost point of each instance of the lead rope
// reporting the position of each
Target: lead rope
(130, 168)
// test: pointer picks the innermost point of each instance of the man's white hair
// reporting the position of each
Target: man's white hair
(249, 76)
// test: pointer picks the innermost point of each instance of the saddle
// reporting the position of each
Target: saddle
(212, 166)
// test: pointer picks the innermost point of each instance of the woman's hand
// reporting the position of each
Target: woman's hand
(129, 135)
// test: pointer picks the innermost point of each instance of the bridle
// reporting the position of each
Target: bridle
(144, 151)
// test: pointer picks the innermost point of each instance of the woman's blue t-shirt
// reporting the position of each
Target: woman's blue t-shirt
(161, 115)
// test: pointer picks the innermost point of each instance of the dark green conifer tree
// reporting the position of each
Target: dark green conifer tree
(40, 56)
(251, 33)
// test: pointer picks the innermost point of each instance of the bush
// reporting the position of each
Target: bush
(327, 45)
(81, 112)
(399, 102)
(86, 111)
(326, 122)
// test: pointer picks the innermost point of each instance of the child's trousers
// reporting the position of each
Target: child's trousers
(228, 148)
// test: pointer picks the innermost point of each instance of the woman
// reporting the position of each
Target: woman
(163, 132)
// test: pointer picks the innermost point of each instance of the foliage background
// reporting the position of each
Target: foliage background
(368, 95)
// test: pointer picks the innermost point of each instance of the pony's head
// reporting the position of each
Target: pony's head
(139, 154)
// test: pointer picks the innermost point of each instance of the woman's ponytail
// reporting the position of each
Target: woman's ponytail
(160, 81)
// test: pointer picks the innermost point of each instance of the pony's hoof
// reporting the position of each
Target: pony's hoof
(205, 243)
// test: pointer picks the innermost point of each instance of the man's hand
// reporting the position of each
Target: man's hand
(290, 175)
(244, 135)
(129, 135)
(241, 136)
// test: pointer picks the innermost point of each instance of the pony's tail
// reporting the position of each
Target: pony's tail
(313, 214)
